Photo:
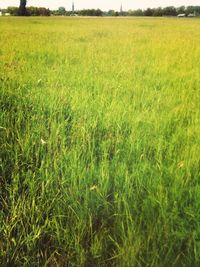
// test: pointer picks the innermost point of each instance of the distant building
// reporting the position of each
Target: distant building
(121, 9)
(73, 10)
(191, 15)
(0, 13)
(181, 15)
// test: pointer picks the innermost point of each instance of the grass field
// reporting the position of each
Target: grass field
(100, 142)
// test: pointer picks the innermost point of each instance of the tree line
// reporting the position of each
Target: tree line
(166, 11)
(30, 11)
(22, 10)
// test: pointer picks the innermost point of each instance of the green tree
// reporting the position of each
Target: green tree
(148, 12)
(13, 10)
(61, 11)
(111, 12)
(22, 8)
(157, 12)
(137, 12)
(169, 11)
(180, 10)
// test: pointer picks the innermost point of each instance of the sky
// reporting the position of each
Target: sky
(102, 4)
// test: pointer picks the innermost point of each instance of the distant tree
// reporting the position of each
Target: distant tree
(169, 11)
(13, 10)
(98, 12)
(61, 11)
(69, 13)
(197, 10)
(137, 12)
(193, 10)
(43, 11)
(38, 11)
(123, 13)
(32, 11)
(22, 8)
(148, 12)
(188, 10)
(180, 10)
(111, 12)
(157, 12)
(90, 12)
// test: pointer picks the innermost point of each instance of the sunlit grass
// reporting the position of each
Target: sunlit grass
(100, 142)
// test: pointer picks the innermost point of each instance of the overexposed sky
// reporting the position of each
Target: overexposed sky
(102, 4)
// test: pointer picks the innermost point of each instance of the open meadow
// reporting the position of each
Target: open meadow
(99, 142)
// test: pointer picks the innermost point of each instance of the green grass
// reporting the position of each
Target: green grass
(100, 142)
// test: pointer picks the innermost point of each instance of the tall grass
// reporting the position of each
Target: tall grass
(100, 142)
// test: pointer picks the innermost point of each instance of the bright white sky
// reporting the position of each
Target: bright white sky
(102, 4)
